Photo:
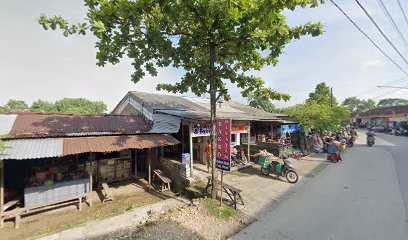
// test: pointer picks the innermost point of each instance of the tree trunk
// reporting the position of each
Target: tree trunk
(213, 93)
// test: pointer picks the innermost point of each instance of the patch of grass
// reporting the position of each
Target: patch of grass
(225, 212)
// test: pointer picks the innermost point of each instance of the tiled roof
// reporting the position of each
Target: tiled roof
(387, 111)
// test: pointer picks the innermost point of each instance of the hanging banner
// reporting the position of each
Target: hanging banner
(223, 145)
(291, 128)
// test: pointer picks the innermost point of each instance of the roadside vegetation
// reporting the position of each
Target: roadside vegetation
(66, 105)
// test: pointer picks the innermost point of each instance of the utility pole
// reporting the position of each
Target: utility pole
(331, 97)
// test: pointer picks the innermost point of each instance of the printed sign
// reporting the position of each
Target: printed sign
(223, 145)
(201, 129)
(239, 127)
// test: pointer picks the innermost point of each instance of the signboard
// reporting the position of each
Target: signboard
(223, 145)
(239, 127)
(201, 129)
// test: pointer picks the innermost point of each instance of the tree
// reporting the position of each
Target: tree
(264, 104)
(14, 106)
(318, 116)
(212, 40)
(80, 105)
(357, 106)
(392, 102)
(322, 95)
(43, 106)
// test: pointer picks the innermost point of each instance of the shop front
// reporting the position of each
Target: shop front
(72, 168)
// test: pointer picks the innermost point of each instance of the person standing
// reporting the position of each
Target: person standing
(208, 150)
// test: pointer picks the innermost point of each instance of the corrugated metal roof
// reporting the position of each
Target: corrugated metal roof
(156, 102)
(116, 143)
(55, 124)
(33, 148)
(207, 115)
(6, 123)
(164, 123)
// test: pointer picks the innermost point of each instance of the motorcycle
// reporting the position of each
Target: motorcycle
(370, 141)
(350, 141)
(238, 156)
(286, 169)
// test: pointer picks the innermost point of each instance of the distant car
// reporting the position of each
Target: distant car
(378, 129)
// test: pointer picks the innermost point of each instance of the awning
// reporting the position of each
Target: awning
(33, 148)
(20, 149)
(116, 143)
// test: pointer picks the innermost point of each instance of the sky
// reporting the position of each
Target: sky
(38, 64)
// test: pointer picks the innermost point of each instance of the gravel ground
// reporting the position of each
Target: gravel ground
(160, 230)
(186, 223)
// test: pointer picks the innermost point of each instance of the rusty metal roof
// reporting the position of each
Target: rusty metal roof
(31, 125)
(116, 143)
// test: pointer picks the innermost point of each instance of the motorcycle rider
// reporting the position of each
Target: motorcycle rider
(371, 134)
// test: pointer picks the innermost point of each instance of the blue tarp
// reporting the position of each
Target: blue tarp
(291, 128)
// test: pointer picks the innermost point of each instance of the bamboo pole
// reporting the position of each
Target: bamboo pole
(191, 148)
(249, 143)
(1, 193)
(149, 156)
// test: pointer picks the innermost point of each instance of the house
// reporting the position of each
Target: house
(387, 117)
(188, 120)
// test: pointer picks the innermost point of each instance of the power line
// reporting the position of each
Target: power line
(382, 33)
(403, 12)
(368, 37)
(392, 87)
(385, 10)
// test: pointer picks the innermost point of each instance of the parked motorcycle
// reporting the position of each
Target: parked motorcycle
(286, 169)
(238, 156)
(370, 141)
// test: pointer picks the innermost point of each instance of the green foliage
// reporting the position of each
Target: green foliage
(3, 145)
(318, 116)
(67, 105)
(357, 106)
(392, 102)
(212, 40)
(224, 212)
(14, 106)
(264, 104)
(321, 95)
(43, 106)
(80, 105)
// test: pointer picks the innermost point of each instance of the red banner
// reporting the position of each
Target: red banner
(223, 145)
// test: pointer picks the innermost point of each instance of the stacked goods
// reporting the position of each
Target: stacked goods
(185, 158)
(264, 161)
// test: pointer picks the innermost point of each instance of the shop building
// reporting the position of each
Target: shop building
(54, 158)
(188, 120)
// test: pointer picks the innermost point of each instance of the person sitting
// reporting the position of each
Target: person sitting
(334, 151)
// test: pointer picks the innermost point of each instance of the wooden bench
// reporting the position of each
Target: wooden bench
(17, 213)
(165, 181)
(233, 193)
(106, 192)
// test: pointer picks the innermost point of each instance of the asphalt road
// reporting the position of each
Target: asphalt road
(364, 197)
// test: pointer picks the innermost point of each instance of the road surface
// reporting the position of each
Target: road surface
(364, 197)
